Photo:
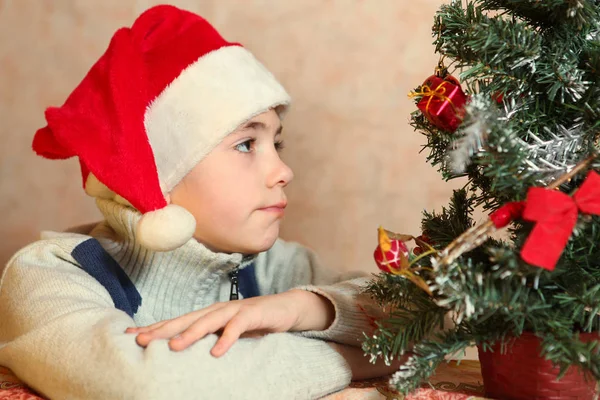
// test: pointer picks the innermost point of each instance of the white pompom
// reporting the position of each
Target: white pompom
(166, 229)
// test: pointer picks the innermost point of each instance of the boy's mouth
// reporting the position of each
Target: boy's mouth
(275, 208)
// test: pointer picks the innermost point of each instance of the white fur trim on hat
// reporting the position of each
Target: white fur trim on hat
(166, 229)
(206, 102)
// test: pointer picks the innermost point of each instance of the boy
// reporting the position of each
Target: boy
(177, 132)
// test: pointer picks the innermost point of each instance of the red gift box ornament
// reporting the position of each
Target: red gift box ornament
(442, 101)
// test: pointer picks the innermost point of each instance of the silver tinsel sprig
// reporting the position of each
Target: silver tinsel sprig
(550, 158)
(479, 115)
(482, 117)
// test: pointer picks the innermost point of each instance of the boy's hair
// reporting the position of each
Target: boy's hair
(162, 96)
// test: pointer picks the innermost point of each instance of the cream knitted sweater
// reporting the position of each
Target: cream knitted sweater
(61, 332)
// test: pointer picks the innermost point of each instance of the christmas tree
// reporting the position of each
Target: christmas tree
(522, 125)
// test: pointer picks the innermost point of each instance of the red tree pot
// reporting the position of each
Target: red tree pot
(521, 373)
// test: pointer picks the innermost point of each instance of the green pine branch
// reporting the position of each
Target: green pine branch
(426, 357)
(583, 306)
(487, 49)
(566, 350)
(413, 316)
(547, 13)
(443, 227)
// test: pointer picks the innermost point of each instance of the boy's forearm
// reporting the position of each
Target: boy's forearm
(361, 367)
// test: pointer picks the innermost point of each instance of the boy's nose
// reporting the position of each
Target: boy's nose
(281, 174)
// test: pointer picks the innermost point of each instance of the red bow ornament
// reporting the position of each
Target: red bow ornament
(555, 215)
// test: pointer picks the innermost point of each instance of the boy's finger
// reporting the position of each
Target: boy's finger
(168, 330)
(210, 323)
(141, 329)
(175, 326)
(187, 317)
(230, 335)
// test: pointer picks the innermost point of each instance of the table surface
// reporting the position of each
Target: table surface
(452, 381)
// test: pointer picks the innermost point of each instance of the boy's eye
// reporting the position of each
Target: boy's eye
(245, 147)
(279, 145)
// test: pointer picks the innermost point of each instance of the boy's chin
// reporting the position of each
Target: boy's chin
(258, 244)
(259, 247)
(249, 242)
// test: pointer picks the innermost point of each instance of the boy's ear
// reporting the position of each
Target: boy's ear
(168, 198)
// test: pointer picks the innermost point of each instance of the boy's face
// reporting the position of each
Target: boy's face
(236, 192)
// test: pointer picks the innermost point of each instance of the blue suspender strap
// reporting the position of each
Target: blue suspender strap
(96, 261)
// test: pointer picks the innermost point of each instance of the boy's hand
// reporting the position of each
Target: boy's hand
(294, 310)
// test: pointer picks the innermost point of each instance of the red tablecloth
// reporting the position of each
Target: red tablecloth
(451, 382)
(12, 389)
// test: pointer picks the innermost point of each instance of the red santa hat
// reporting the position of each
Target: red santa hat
(162, 96)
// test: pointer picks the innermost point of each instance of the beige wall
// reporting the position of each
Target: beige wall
(348, 64)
